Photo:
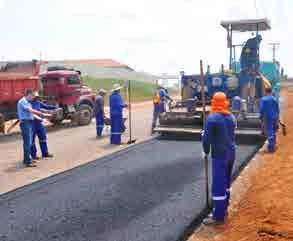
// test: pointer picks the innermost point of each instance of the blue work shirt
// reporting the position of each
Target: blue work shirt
(99, 105)
(22, 110)
(215, 136)
(231, 125)
(116, 104)
(269, 108)
(38, 105)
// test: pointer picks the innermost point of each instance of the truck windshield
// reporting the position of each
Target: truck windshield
(49, 80)
(73, 80)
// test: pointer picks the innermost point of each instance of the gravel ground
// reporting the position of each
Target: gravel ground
(71, 146)
(151, 191)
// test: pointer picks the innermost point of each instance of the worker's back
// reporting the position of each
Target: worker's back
(269, 107)
(216, 135)
(116, 104)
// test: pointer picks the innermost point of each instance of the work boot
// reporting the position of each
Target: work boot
(36, 158)
(209, 221)
(48, 155)
(30, 165)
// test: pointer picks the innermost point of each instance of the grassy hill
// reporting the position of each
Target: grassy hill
(140, 91)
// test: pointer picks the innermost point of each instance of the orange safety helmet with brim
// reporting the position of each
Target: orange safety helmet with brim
(220, 104)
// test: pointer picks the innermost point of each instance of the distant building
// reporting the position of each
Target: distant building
(98, 68)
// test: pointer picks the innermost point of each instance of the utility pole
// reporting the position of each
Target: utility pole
(274, 48)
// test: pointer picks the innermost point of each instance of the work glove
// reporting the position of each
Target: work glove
(204, 155)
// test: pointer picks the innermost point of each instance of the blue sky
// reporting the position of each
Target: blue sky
(157, 36)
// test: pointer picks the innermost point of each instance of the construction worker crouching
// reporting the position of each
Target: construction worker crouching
(99, 112)
(116, 115)
(269, 114)
(39, 129)
(218, 136)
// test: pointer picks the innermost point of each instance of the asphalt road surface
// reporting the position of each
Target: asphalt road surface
(151, 191)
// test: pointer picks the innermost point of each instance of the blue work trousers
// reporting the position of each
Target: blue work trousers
(39, 131)
(230, 164)
(26, 127)
(271, 126)
(116, 129)
(219, 187)
(156, 114)
(100, 123)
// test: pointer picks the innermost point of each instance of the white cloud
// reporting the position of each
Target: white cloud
(2, 4)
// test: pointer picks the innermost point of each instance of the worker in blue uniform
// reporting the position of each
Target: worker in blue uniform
(99, 112)
(249, 59)
(39, 129)
(269, 114)
(26, 115)
(218, 138)
(164, 97)
(116, 115)
(160, 98)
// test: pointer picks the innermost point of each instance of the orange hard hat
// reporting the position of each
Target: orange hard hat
(220, 103)
(219, 96)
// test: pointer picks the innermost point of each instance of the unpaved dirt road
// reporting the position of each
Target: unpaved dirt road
(262, 198)
(71, 146)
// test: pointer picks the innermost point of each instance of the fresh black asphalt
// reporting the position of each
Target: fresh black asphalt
(148, 192)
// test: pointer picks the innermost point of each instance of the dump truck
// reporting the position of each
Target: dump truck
(187, 115)
(59, 86)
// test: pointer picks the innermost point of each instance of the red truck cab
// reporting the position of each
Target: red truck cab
(65, 89)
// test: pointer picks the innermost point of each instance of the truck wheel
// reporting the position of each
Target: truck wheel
(85, 114)
(2, 124)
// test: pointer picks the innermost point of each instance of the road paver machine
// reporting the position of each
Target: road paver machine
(246, 86)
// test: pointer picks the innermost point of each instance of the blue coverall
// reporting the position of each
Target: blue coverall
(250, 54)
(39, 130)
(116, 115)
(269, 113)
(160, 107)
(231, 125)
(100, 115)
(216, 138)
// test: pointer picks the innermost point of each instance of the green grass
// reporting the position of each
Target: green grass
(140, 91)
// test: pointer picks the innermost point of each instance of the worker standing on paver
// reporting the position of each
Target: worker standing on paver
(39, 129)
(269, 114)
(249, 59)
(116, 115)
(100, 112)
(26, 115)
(216, 137)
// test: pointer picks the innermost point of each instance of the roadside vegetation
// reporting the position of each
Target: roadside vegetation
(140, 91)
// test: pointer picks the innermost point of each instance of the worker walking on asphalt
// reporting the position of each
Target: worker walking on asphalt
(39, 129)
(160, 98)
(26, 115)
(116, 115)
(218, 138)
(99, 112)
(269, 114)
